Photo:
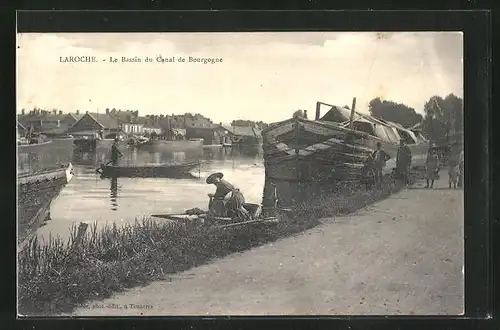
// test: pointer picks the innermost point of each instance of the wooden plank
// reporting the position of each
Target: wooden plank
(181, 217)
(270, 220)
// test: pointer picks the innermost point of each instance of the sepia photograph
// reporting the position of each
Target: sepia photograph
(242, 173)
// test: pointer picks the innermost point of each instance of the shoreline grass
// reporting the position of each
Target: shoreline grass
(55, 278)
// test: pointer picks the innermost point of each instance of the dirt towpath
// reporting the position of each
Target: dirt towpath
(403, 255)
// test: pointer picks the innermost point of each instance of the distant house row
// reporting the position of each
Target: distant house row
(111, 124)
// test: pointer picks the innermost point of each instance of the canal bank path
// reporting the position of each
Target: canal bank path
(402, 255)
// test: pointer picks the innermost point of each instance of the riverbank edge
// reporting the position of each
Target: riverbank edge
(180, 247)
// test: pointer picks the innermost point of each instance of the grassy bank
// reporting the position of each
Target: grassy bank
(55, 278)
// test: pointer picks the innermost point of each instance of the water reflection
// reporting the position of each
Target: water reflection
(114, 194)
(88, 159)
(88, 198)
(37, 160)
(137, 157)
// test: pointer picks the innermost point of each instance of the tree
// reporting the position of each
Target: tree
(394, 112)
(443, 117)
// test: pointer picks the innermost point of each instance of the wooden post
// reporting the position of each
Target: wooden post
(352, 112)
(82, 229)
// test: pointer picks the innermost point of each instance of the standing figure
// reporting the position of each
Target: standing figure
(403, 162)
(461, 169)
(432, 166)
(453, 170)
(115, 152)
(227, 200)
(380, 157)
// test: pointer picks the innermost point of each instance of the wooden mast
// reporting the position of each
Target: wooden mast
(353, 107)
(318, 109)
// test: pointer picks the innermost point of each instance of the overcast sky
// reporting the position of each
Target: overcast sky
(263, 76)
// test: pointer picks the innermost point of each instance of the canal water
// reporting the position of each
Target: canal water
(88, 198)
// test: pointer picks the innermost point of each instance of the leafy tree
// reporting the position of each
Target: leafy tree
(394, 112)
(249, 123)
(443, 117)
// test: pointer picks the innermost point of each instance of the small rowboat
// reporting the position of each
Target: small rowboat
(204, 219)
(174, 171)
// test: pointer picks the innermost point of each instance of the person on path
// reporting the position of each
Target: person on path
(227, 200)
(453, 168)
(461, 169)
(403, 162)
(115, 153)
(380, 157)
(432, 166)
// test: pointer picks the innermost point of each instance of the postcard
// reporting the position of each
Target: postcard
(270, 173)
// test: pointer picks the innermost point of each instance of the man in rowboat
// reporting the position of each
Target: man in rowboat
(115, 153)
(227, 200)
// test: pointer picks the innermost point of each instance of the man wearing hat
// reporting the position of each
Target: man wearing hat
(227, 200)
(432, 166)
(403, 162)
(115, 152)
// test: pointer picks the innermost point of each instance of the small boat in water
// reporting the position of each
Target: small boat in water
(137, 140)
(173, 171)
(171, 145)
(33, 142)
(203, 218)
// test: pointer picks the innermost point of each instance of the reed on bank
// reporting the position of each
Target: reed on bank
(55, 277)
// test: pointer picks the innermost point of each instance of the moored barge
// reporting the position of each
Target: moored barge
(36, 191)
(306, 158)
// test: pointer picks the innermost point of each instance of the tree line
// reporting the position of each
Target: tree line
(249, 123)
(441, 117)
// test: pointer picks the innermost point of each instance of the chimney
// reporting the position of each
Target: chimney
(318, 105)
(305, 114)
(86, 112)
(22, 112)
(55, 112)
(107, 111)
(77, 112)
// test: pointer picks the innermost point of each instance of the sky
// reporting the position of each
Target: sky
(262, 76)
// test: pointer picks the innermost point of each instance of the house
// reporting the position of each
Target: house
(132, 128)
(129, 121)
(49, 123)
(188, 120)
(245, 135)
(96, 124)
(154, 129)
(174, 133)
(150, 126)
(213, 134)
